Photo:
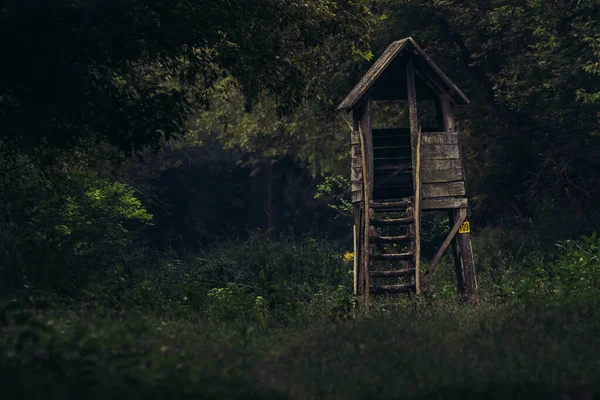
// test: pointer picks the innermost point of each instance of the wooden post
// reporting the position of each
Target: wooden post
(356, 181)
(365, 247)
(358, 255)
(362, 192)
(415, 141)
(365, 124)
(448, 115)
(354, 258)
(464, 262)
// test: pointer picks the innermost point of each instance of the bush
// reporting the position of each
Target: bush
(574, 271)
(63, 228)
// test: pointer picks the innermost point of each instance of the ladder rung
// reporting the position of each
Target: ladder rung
(391, 239)
(392, 274)
(397, 221)
(392, 257)
(392, 288)
(384, 205)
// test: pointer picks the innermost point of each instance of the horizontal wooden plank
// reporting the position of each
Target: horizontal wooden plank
(431, 164)
(392, 274)
(387, 205)
(444, 203)
(441, 175)
(439, 138)
(440, 152)
(357, 195)
(392, 289)
(443, 189)
(391, 239)
(392, 221)
(393, 256)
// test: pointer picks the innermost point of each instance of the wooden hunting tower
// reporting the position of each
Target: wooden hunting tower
(405, 160)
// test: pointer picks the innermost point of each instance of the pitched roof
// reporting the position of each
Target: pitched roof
(385, 60)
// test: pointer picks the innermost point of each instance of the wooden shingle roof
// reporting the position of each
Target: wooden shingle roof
(385, 60)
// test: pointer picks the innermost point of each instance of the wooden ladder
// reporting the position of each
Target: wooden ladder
(392, 237)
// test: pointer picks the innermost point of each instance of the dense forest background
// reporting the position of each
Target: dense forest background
(182, 161)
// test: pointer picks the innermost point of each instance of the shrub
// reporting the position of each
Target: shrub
(61, 229)
(575, 270)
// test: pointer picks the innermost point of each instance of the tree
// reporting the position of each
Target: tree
(532, 143)
(129, 71)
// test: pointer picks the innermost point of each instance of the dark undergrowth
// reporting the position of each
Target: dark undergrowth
(242, 321)
(452, 352)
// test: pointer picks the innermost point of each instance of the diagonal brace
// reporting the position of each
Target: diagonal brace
(443, 248)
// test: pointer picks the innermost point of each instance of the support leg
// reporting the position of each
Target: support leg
(463, 261)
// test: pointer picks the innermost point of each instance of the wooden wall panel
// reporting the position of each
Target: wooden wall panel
(439, 138)
(429, 164)
(444, 189)
(441, 152)
(444, 203)
(441, 175)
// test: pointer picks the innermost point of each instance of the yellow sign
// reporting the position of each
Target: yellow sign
(465, 227)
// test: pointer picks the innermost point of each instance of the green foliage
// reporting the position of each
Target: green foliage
(250, 278)
(63, 227)
(523, 64)
(337, 189)
(264, 135)
(574, 272)
(130, 72)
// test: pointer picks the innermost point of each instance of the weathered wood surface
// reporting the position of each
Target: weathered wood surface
(448, 115)
(358, 254)
(417, 215)
(365, 125)
(392, 289)
(415, 140)
(441, 175)
(393, 256)
(356, 179)
(444, 203)
(391, 239)
(428, 164)
(464, 262)
(427, 68)
(366, 199)
(387, 205)
(448, 189)
(458, 96)
(461, 245)
(440, 138)
(355, 258)
(392, 274)
(372, 74)
(392, 221)
(441, 152)
(442, 249)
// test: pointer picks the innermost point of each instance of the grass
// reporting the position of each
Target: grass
(524, 351)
